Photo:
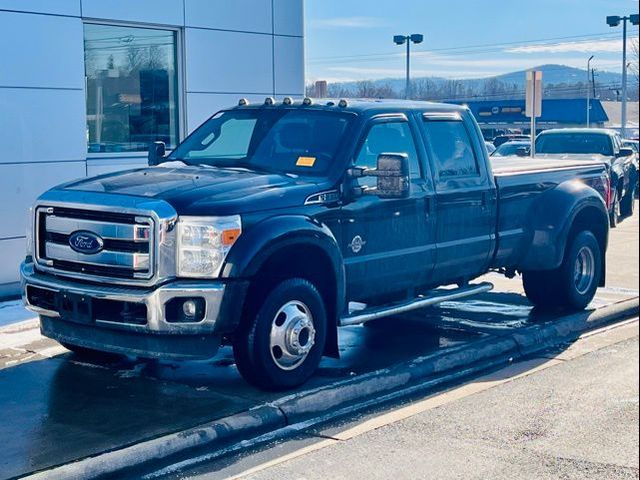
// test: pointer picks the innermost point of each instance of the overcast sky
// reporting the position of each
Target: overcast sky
(352, 39)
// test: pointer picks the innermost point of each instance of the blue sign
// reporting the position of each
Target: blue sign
(85, 242)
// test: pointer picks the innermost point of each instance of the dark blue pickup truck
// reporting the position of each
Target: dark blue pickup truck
(271, 223)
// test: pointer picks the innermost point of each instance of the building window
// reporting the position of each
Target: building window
(132, 87)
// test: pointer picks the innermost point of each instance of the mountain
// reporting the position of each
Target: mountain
(512, 84)
(554, 74)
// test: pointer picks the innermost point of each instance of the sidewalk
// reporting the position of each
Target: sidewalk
(13, 311)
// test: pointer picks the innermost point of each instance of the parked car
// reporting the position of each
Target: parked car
(490, 147)
(513, 147)
(634, 145)
(508, 137)
(598, 143)
(263, 226)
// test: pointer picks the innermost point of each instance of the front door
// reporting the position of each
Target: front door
(387, 243)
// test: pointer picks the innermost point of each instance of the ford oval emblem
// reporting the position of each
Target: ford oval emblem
(85, 242)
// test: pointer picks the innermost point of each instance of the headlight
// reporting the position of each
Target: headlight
(203, 244)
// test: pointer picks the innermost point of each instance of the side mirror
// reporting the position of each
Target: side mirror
(625, 152)
(157, 151)
(522, 151)
(392, 172)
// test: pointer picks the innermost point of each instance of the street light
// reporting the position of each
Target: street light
(588, 80)
(408, 39)
(614, 21)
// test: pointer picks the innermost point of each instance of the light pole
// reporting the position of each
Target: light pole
(614, 21)
(408, 39)
(588, 81)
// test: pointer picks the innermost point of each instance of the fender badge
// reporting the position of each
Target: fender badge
(356, 244)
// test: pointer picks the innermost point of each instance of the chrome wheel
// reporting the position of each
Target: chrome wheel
(292, 335)
(584, 271)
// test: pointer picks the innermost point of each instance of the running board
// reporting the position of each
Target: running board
(435, 297)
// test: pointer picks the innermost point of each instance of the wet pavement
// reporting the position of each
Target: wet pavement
(59, 409)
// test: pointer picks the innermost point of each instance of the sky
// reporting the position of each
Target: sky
(352, 39)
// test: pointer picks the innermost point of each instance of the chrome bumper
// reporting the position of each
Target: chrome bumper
(154, 299)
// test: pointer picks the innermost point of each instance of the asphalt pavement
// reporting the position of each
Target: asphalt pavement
(573, 419)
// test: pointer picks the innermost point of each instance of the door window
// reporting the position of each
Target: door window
(450, 148)
(387, 137)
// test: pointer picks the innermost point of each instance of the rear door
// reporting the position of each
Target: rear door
(466, 200)
(388, 243)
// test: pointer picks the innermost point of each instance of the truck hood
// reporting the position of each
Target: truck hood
(204, 190)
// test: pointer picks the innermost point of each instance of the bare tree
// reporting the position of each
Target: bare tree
(369, 89)
(424, 89)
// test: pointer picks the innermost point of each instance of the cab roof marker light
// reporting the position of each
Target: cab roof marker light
(243, 102)
(343, 103)
(307, 101)
(269, 101)
(287, 101)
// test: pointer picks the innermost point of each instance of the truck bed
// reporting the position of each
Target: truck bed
(520, 181)
(510, 165)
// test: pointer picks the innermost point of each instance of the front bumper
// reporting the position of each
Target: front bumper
(85, 322)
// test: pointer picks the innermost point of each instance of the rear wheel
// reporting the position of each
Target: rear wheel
(572, 285)
(282, 345)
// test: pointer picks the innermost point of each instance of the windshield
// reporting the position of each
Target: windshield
(302, 142)
(588, 143)
(507, 149)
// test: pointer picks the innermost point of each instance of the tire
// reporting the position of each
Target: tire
(628, 203)
(281, 347)
(572, 285)
(614, 214)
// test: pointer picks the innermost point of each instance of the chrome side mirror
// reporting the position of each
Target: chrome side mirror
(392, 173)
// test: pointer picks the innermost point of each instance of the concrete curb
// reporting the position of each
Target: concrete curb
(252, 423)
(365, 390)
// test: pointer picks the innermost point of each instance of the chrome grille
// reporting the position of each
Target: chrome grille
(127, 243)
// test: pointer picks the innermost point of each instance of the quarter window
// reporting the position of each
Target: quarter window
(132, 87)
(387, 137)
(450, 148)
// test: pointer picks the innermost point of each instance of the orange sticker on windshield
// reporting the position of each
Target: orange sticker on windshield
(305, 161)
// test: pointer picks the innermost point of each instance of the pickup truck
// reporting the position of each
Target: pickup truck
(603, 145)
(273, 224)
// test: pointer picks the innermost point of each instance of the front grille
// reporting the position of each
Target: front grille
(126, 243)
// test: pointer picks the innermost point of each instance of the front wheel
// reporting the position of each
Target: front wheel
(282, 345)
(573, 285)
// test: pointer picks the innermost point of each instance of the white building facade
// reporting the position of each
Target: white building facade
(86, 85)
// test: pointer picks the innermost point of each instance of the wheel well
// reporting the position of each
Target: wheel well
(595, 221)
(297, 261)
